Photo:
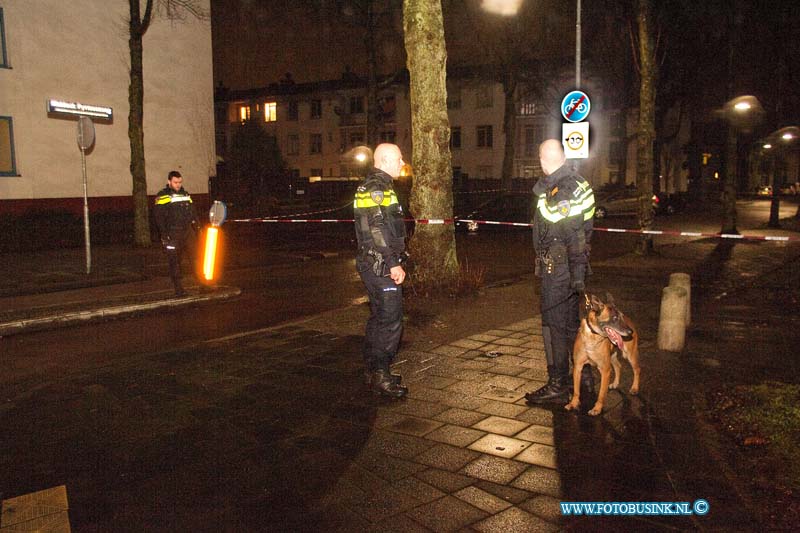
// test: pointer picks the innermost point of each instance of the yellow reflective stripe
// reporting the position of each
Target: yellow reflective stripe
(364, 199)
(584, 205)
(168, 199)
(161, 200)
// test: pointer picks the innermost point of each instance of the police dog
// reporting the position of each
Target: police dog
(604, 333)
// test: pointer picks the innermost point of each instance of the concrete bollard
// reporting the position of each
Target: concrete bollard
(681, 279)
(672, 322)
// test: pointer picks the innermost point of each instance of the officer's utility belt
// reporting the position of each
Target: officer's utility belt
(548, 258)
(379, 267)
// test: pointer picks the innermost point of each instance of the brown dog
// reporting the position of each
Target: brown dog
(603, 333)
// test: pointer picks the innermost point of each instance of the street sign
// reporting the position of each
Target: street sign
(575, 138)
(575, 106)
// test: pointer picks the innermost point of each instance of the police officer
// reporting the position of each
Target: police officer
(562, 227)
(381, 234)
(177, 223)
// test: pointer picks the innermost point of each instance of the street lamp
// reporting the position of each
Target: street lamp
(780, 140)
(741, 113)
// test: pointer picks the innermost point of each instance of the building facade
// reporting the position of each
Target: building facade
(77, 52)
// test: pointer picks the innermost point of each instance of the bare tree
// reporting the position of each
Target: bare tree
(433, 246)
(648, 73)
(138, 25)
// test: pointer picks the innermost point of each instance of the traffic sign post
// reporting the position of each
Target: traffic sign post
(575, 106)
(575, 138)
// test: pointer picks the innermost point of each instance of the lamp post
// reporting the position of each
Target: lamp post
(778, 142)
(741, 113)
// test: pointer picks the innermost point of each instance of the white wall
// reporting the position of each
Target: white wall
(78, 51)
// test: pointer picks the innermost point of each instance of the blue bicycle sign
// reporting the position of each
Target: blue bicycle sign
(575, 106)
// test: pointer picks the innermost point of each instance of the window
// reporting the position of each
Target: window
(356, 138)
(315, 144)
(356, 104)
(270, 111)
(386, 108)
(3, 55)
(484, 134)
(292, 112)
(527, 109)
(388, 136)
(617, 125)
(293, 144)
(530, 142)
(7, 165)
(483, 96)
(485, 172)
(244, 113)
(615, 153)
(316, 172)
(316, 108)
(455, 137)
(454, 99)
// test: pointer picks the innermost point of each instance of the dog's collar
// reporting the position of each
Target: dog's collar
(589, 324)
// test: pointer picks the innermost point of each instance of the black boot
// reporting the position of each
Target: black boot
(368, 374)
(556, 390)
(382, 384)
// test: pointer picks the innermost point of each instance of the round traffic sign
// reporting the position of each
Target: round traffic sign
(575, 106)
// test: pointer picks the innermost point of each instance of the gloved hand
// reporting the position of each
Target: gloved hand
(577, 278)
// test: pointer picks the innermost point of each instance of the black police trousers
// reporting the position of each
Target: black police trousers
(385, 323)
(184, 245)
(560, 319)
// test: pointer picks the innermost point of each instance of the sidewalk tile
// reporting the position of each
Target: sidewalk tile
(468, 343)
(482, 500)
(413, 426)
(506, 369)
(514, 519)
(502, 394)
(498, 408)
(446, 457)
(419, 489)
(495, 469)
(455, 435)
(499, 445)
(539, 454)
(460, 417)
(447, 514)
(501, 425)
(541, 480)
(536, 433)
(545, 507)
(444, 480)
(504, 492)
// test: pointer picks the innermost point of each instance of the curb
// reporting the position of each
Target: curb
(71, 318)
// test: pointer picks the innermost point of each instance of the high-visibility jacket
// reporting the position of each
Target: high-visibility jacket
(378, 219)
(564, 214)
(174, 213)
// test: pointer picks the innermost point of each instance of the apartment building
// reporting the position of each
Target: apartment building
(315, 125)
(76, 52)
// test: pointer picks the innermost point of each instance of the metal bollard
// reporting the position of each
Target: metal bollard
(672, 321)
(681, 279)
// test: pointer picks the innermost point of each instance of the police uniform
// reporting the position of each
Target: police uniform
(177, 223)
(562, 228)
(381, 232)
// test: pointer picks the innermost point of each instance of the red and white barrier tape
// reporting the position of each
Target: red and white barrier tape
(437, 221)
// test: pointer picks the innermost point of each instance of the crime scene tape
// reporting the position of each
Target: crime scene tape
(434, 221)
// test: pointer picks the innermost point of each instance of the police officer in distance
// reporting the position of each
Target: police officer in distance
(381, 233)
(562, 228)
(178, 225)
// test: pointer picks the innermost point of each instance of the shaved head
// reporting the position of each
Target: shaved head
(551, 156)
(388, 158)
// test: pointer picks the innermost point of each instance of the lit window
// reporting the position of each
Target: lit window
(316, 108)
(484, 136)
(3, 56)
(270, 111)
(7, 165)
(315, 143)
(244, 113)
(316, 172)
(527, 109)
(455, 137)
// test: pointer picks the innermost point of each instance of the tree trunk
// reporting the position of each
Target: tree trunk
(141, 218)
(646, 128)
(509, 129)
(373, 124)
(433, 246)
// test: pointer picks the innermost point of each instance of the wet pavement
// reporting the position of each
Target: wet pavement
(274, 431)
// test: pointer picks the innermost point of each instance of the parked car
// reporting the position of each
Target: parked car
(509, 207)
(766, 190)
(615, 202)
(668, 204)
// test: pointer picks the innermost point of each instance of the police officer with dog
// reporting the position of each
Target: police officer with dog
(562, 228)
(178, 225)
(381, 232)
